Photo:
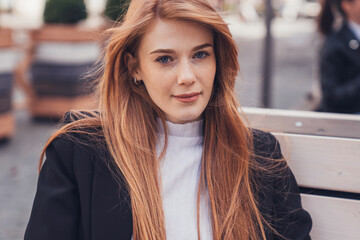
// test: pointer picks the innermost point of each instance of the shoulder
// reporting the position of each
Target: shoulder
(331, 45)
(78, 141)
(73, 116)
(81, 128)
(336, 41)
(267, 165)
(265, 144)
(276, 189)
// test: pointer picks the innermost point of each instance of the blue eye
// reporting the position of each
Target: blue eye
(201, 54)
(163, 59)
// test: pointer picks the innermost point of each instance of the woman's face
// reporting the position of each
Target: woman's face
(177, 66)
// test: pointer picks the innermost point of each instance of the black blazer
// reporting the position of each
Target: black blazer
(340, 72)
(77, 197)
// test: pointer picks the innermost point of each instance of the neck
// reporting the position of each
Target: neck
(354, 20)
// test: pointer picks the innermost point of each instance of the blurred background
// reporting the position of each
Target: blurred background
(46, 46)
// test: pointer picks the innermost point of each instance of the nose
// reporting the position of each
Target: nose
(186, 74)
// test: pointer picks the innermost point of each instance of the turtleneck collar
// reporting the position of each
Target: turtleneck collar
(192, 129)
(355, 29)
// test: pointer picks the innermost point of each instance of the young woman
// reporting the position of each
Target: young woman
(340, 57)
(167, 156)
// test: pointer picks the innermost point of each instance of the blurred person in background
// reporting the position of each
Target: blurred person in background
(247, 10)
(340, 56)
(168, 155)
(290, 10)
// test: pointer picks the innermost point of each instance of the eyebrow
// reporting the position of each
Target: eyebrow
(172, 51)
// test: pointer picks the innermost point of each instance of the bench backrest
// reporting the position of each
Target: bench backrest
(323, 151)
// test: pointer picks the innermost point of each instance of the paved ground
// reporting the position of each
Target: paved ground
(18, 173)
(295, 52)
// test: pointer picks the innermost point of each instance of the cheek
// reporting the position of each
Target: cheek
(158, 85)
(208, 75)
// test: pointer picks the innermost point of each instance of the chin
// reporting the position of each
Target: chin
(189, 118)
(181, 116)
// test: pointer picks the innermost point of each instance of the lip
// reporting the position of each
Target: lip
(188, 97)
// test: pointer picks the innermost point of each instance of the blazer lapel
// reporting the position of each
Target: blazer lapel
(111, 211)
(352, 44)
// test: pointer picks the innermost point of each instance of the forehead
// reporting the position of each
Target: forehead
(174, 34)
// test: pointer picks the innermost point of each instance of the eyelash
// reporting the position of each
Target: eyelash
(162, 57)
(204, 54)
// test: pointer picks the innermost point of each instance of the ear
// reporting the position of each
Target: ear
(132, 65)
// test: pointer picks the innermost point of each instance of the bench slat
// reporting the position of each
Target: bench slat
(323, 162)
(323, 150)
(333, 218)
(304, 122)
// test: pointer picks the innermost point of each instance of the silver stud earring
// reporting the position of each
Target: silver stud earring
(136, 81)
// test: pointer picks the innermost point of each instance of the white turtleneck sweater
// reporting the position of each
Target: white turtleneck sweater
(180, 172)
(355, 27)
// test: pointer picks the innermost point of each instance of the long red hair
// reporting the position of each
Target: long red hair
(127, 119)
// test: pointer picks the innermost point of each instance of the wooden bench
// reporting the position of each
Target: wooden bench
(323, 151)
